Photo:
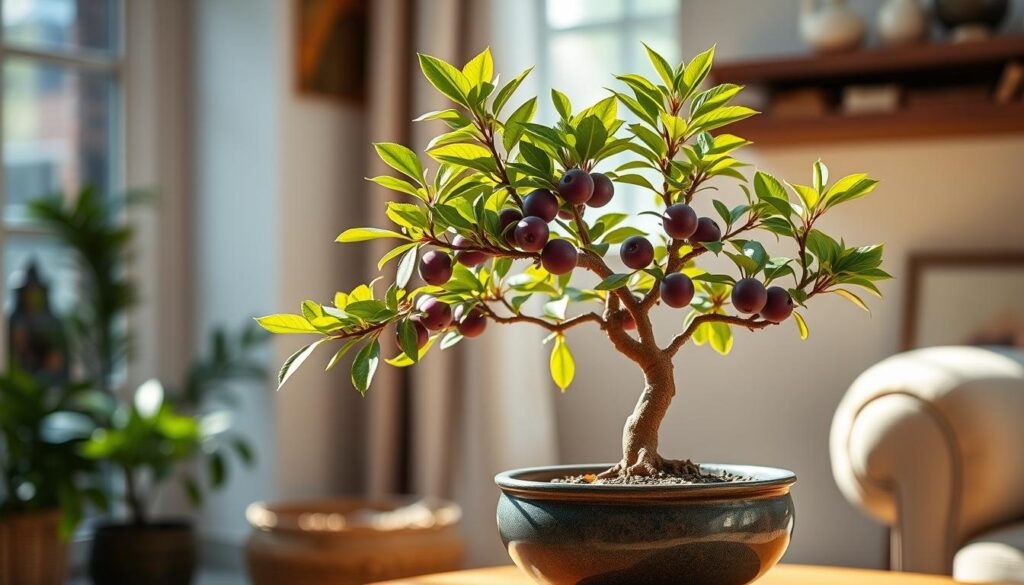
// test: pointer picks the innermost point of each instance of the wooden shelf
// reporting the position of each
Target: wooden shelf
(922, 68)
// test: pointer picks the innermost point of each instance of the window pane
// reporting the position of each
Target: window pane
(54, 264)
(62, 24)
(569, 13)
(660, 35)
(58, 132)
(655, 7)
(582, 62)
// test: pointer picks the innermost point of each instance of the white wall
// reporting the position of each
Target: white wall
(771, 401)
(275, 178)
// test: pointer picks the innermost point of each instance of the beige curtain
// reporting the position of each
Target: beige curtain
(446, 426)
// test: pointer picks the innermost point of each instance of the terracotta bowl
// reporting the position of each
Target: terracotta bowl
(351, 541)
(708, 534)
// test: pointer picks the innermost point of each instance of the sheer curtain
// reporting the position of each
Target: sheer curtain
(446, 426)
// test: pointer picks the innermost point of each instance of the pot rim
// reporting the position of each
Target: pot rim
(354, 515)
(534, 483)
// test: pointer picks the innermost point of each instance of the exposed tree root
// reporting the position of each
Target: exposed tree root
(649, 464)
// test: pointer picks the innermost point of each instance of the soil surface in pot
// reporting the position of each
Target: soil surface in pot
(662, 478)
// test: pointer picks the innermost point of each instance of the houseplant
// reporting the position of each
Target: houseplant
(47, 484)
(492, 203)
(150, 437)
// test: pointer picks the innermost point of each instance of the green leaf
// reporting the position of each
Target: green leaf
(408, 339)
(664, 70)
(713, 98)
(801, 325)
(563, 366)
(848, 189)
(619, 235)
(402, 361)
(766, 186)
(217, 469)
(480, 69)
(696, 71)
(720, 117)
(503, 95)
(394, 253)
(401, 159)
(516, 124)
(674, 125)
(446, 79)
(590, 137)
(820, 176)
(720, 337)
(364, 366)
(244, 452)
(808, 196)
(364, 234)
(407, 215)
(396, 184)
(285, 323)
(405, 267)
(295, 360)
(562, 105)
(613, 282)
(453, 118)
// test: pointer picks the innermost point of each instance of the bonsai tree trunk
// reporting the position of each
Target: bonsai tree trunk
(136, 504)
(640, 435)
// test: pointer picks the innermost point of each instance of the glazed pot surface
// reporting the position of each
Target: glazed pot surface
(707, 534)
(156, 554)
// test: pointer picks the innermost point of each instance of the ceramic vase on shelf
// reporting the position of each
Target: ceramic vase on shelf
(971, 19)
(831, 26)
(902, 22)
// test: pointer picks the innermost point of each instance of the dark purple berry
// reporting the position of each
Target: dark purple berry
(436, 314)
(576, 186)
(468, 257)
(636, 252)
(680, 221)
(531, 234)
(628, 322)
(541, 203)
(707, 231)
(749, 295)
(509, 217)
(559, 256)
(471, 323)
(435, 267)
(677, 290)
(779, 305)
(603, 190)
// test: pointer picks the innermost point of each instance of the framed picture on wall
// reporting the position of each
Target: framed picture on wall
(331, 48)
(966, 298)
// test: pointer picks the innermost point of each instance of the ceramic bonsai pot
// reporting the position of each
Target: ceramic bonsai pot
(707, 534)
(162, 553)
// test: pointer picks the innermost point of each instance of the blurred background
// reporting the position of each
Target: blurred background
(246, 125)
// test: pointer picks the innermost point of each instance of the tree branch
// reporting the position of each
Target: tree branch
(679, 340)
(553, 327)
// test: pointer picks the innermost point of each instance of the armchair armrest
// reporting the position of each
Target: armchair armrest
(929, 443)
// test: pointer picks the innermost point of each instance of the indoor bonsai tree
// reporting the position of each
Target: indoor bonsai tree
(511, 193)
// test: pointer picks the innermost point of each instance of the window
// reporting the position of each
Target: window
(61, 88)
(583, 43)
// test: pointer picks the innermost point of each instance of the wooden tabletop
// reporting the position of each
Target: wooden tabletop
(781, 575)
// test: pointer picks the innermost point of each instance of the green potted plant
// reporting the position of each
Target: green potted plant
(153, 437)
(46, 481)
(509, 192)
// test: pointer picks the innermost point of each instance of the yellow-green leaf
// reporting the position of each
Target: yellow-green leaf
(284, 323)
(402, 361)
(363, 234)
(401, 159)
(801, 325)
(563, 366)
(480, 69)
(852, 298)
(295, 360)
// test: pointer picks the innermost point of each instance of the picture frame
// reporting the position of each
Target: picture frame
(964, 298)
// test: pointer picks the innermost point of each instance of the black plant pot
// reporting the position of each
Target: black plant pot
(707, 534)
(155, 554)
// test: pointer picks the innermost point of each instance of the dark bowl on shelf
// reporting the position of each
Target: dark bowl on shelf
(956, 13)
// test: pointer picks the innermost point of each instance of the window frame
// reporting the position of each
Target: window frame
(73, 59)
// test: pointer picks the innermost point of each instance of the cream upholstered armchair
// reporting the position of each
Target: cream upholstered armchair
(931, 443)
